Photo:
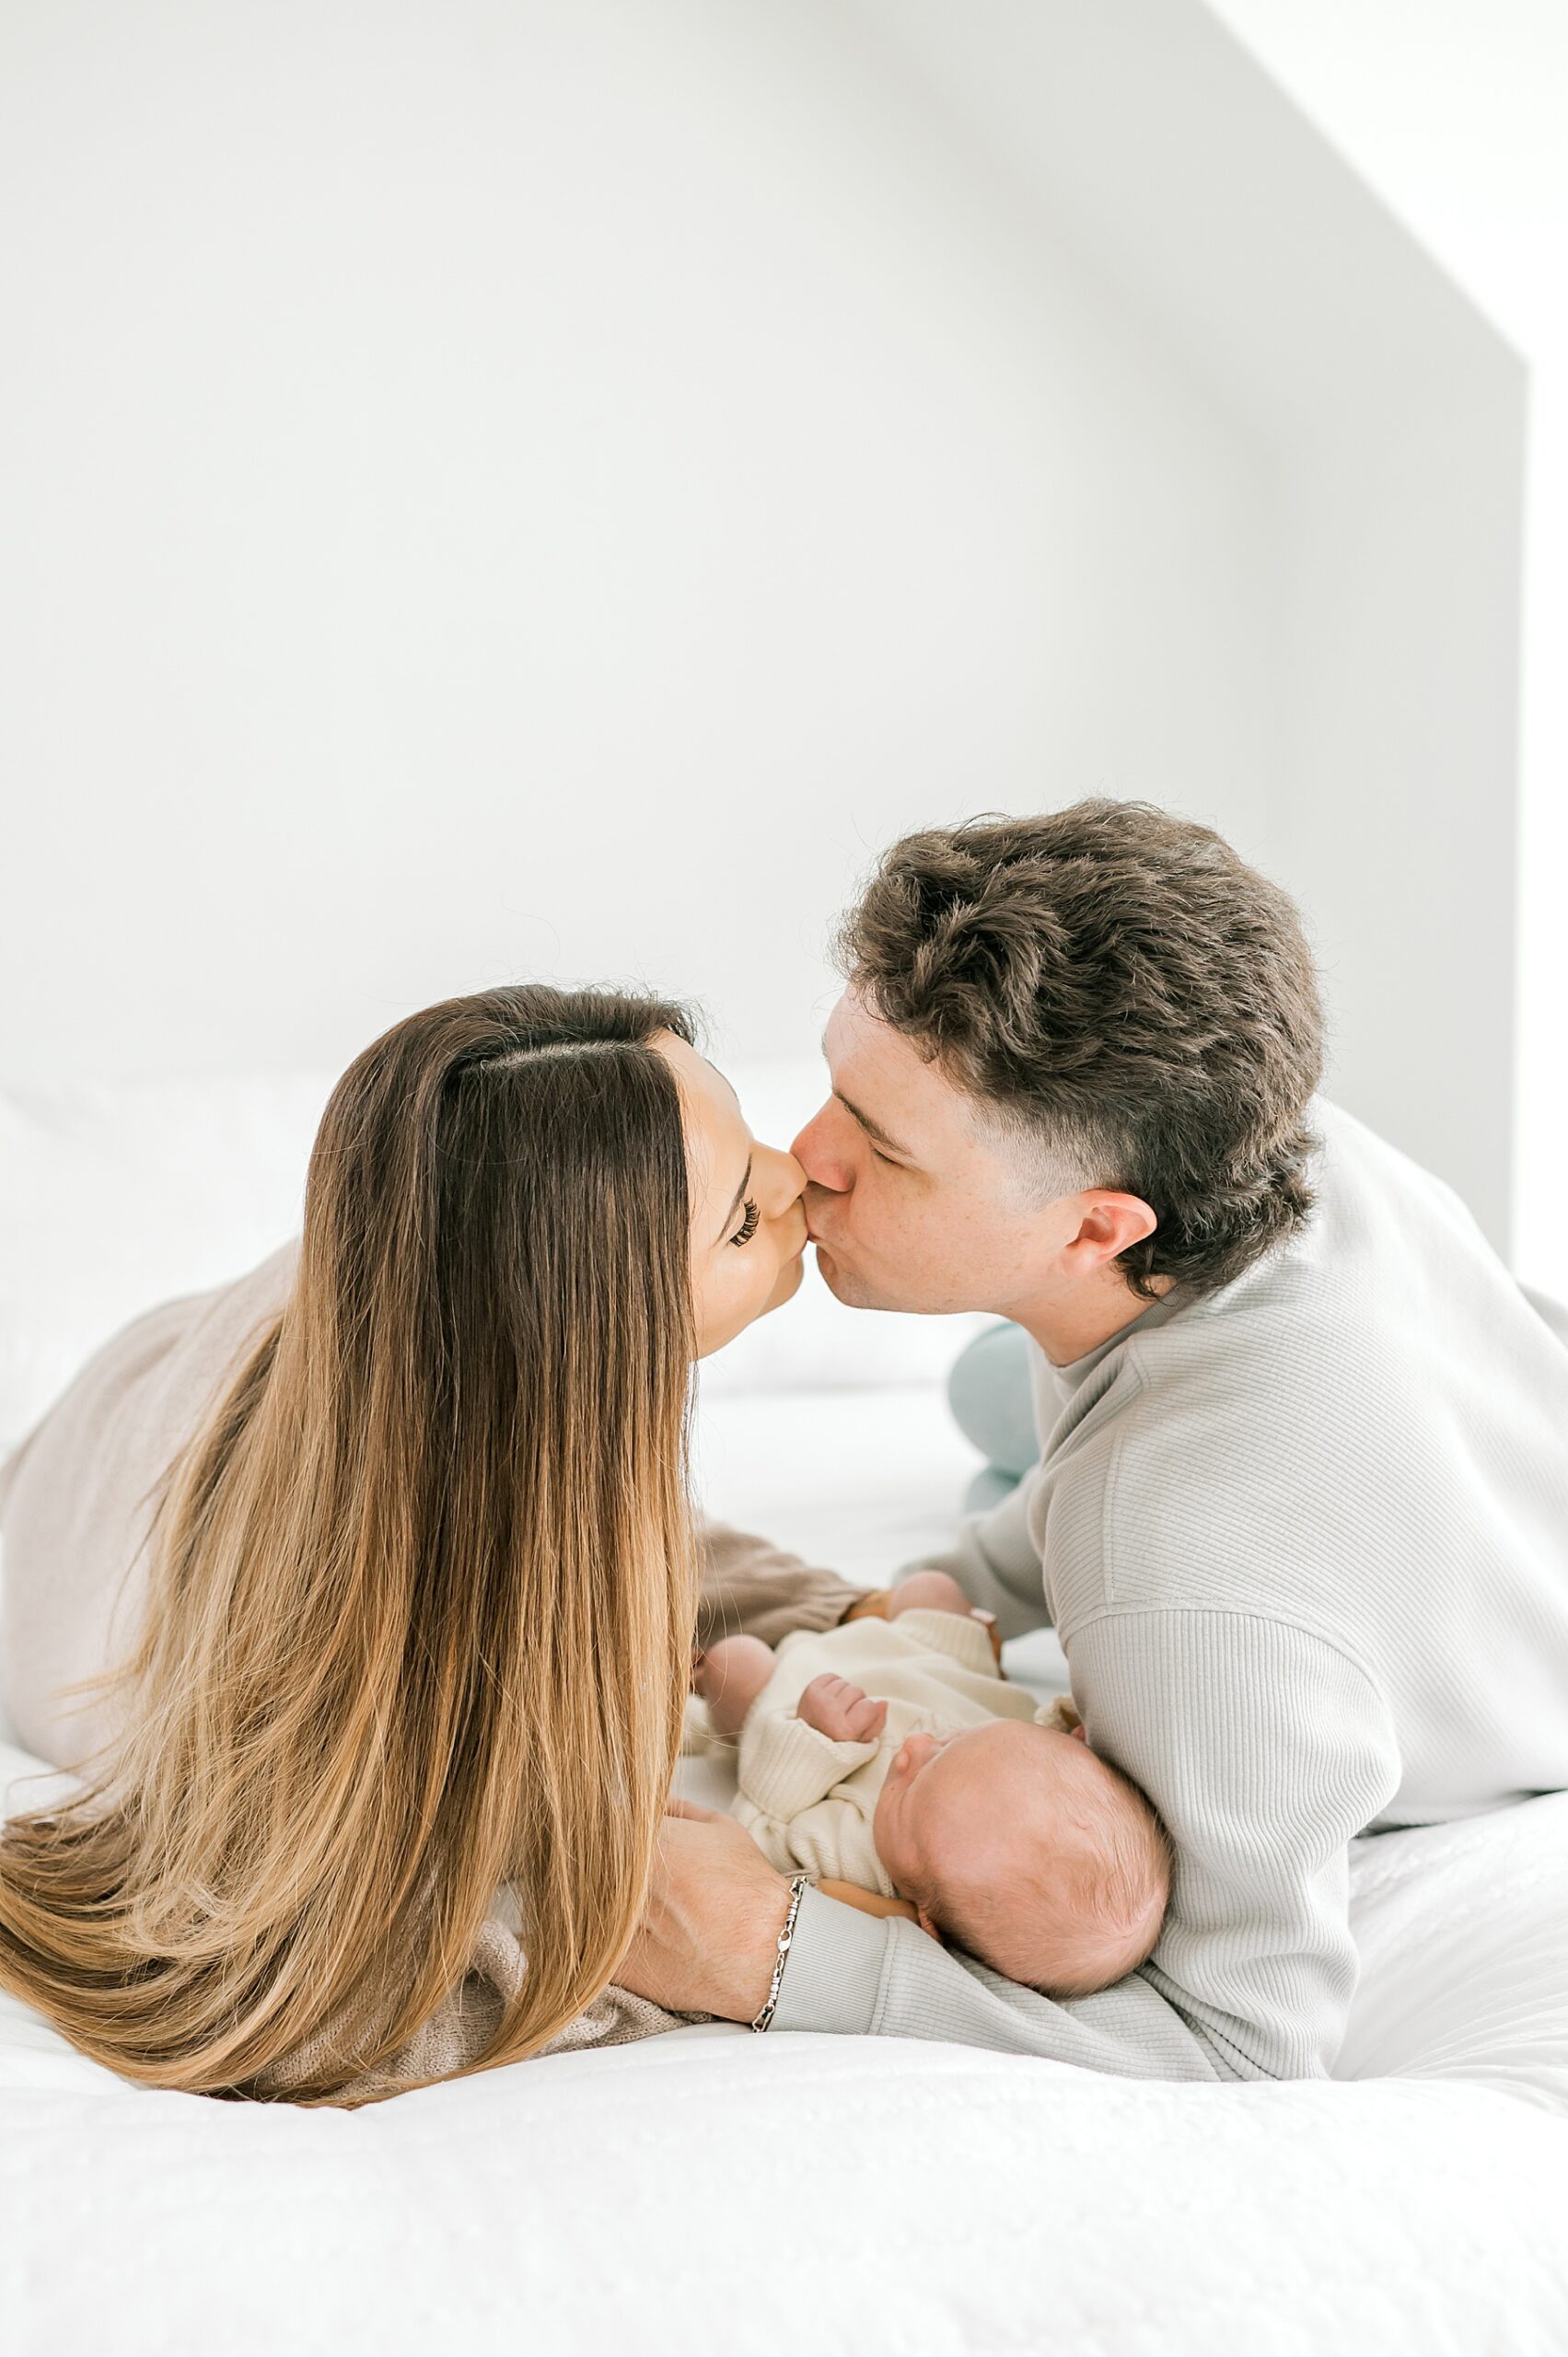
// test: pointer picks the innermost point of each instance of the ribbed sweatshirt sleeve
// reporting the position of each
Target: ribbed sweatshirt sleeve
(997, 1565)
(1265, 1751)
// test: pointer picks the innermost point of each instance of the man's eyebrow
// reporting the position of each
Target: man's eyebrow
(739, 1199)
(873, 1130)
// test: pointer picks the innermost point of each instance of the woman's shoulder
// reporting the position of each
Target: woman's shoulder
(212, 1330)
(156, 1376)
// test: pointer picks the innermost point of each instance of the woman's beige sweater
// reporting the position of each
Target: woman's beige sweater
(76, 1502)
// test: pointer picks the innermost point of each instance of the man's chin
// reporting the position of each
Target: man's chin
(843, 1283)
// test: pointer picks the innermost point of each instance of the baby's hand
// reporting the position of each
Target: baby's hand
(835, 1708)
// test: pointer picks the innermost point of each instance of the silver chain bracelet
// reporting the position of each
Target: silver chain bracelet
(797, 1886)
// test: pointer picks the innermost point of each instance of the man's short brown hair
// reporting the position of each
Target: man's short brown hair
(1114, 983)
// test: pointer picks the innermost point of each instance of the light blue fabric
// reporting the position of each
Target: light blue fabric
(988, 1394)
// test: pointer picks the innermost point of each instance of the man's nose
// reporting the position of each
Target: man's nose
(814, 1150)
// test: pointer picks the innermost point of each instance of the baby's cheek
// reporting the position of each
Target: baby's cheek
(917, 1844)
(885, 1828)
(936, 1844)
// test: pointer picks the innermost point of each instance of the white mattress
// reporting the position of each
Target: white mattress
(763, 2194)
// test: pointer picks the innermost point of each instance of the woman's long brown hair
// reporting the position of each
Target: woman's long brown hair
(422, 1589)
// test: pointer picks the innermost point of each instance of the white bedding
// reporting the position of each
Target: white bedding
(874, 2196)
(854, 2194)
(769, 2194)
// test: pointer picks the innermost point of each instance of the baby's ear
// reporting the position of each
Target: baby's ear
(923, 1917)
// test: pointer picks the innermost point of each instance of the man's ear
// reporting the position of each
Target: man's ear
(1111, 1223)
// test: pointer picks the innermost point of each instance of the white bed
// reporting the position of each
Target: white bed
(766, 2193)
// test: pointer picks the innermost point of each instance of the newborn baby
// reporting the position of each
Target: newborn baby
(889, 1753)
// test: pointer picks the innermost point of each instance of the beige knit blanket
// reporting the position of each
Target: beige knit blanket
(76, 1508)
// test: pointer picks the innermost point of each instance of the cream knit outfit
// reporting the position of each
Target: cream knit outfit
(809, 1801)
(76, 1507)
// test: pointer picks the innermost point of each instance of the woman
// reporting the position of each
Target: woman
(395, 1535)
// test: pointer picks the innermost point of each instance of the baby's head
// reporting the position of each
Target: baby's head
(1018, 1843)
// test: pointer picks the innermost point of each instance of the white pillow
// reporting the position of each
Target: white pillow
(115, 1196)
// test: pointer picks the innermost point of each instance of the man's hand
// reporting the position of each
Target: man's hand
(846, 1713)
(709, 1933)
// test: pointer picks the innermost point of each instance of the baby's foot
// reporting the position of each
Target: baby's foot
(927, 1592)
(938, 1592)
(729, 1676)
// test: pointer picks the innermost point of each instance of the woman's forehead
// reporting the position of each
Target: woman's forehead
(718, 1139)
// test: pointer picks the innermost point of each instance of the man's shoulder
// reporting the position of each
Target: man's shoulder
(1289, 1438)
(1386, 1251)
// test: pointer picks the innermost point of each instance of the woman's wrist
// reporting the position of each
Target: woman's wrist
(763, 2019)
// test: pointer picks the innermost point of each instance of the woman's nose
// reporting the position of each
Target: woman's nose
(785, 1180)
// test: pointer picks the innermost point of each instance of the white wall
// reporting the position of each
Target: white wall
(1400, 835)
(493, 486)
(1453, 112)
(1391, 411)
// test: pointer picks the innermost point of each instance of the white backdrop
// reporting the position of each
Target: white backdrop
(552, 486)
(1454, 111)
(549, 487)
(1220, 202)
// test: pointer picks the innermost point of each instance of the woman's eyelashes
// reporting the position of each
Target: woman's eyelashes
(747, 1227)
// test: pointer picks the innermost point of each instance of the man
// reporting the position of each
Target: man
(1301, 1514)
